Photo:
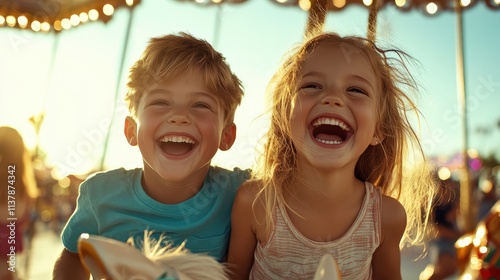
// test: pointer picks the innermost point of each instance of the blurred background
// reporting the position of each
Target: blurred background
(63, 77)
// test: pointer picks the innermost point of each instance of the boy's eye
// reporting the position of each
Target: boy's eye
(160, 103)
(202, 105)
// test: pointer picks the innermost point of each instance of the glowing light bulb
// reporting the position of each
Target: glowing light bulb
(431, 8)
(339, 3)
(66, 23)
(84, 17)
(11, 21)
(108, 9)
(35, 25)
(400, 3)
(93, 14)
(45, 26)
(23, 21)
(305, 5)
(74, 19)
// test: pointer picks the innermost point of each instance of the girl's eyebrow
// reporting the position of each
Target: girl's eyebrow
(312, 74)
(354, 76)
(363, 80)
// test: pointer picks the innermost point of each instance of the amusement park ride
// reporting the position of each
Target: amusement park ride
(479, 247)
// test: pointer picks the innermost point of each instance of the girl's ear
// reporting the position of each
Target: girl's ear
(130, 130)
(376, 140)
(106, 258)
(228, 137)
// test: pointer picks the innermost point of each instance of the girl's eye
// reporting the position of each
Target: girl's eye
(310, 88)
(357, 90)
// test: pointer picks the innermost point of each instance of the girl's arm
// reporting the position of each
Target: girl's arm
(243, 239)
(386, 262)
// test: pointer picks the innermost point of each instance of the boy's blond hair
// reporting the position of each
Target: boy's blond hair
(386, 165)
(167, 57)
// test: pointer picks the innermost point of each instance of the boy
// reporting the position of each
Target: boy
(182, 98)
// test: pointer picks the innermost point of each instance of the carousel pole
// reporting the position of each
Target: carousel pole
(466, 203)
(117, 88)
(317, 15)
(217, 25)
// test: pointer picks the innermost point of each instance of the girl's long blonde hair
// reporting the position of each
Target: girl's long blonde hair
(397, 165)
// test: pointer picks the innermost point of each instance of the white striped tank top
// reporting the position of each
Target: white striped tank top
(290, 255)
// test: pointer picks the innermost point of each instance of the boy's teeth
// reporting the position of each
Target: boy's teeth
(330, 121)
(178, 139)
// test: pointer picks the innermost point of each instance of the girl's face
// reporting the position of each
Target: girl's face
(334, 116)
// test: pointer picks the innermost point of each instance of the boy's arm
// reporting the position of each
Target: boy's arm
(243, 240)
(386, 262)
(68, 266)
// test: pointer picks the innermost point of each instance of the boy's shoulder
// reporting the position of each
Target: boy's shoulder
(236, 175)
(119, 174)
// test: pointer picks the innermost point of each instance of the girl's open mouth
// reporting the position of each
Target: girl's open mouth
(330, 131)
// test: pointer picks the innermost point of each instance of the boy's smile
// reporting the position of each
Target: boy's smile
(179, 127)
(177, 145)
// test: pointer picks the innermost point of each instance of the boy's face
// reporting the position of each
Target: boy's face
(179, 127)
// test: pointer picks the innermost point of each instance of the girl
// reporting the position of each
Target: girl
(17, 200)
(334, 167)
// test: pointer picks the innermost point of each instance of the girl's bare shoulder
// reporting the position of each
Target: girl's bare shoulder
(393, 215)
(250, 188)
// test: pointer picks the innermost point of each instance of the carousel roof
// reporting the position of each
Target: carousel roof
(430, 7)
(55, 15)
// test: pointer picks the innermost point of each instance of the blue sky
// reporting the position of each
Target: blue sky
(77, 93)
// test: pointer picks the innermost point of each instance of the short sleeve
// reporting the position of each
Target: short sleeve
(242, 175)
(83, 219)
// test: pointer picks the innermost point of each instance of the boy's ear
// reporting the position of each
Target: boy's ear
(130, 130)
(228, 137)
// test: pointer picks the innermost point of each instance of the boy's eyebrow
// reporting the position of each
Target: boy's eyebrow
(161, 91)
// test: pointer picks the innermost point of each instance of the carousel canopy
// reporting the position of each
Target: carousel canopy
(430, 7)
(51, 15)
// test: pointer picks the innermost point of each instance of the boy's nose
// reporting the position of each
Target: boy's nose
(178, 118)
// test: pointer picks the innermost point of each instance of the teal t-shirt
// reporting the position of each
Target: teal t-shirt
(114, 204)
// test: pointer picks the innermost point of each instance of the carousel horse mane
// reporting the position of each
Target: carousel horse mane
(106, 258)
(110, 259)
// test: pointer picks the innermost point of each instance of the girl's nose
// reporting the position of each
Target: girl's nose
(333, 97)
